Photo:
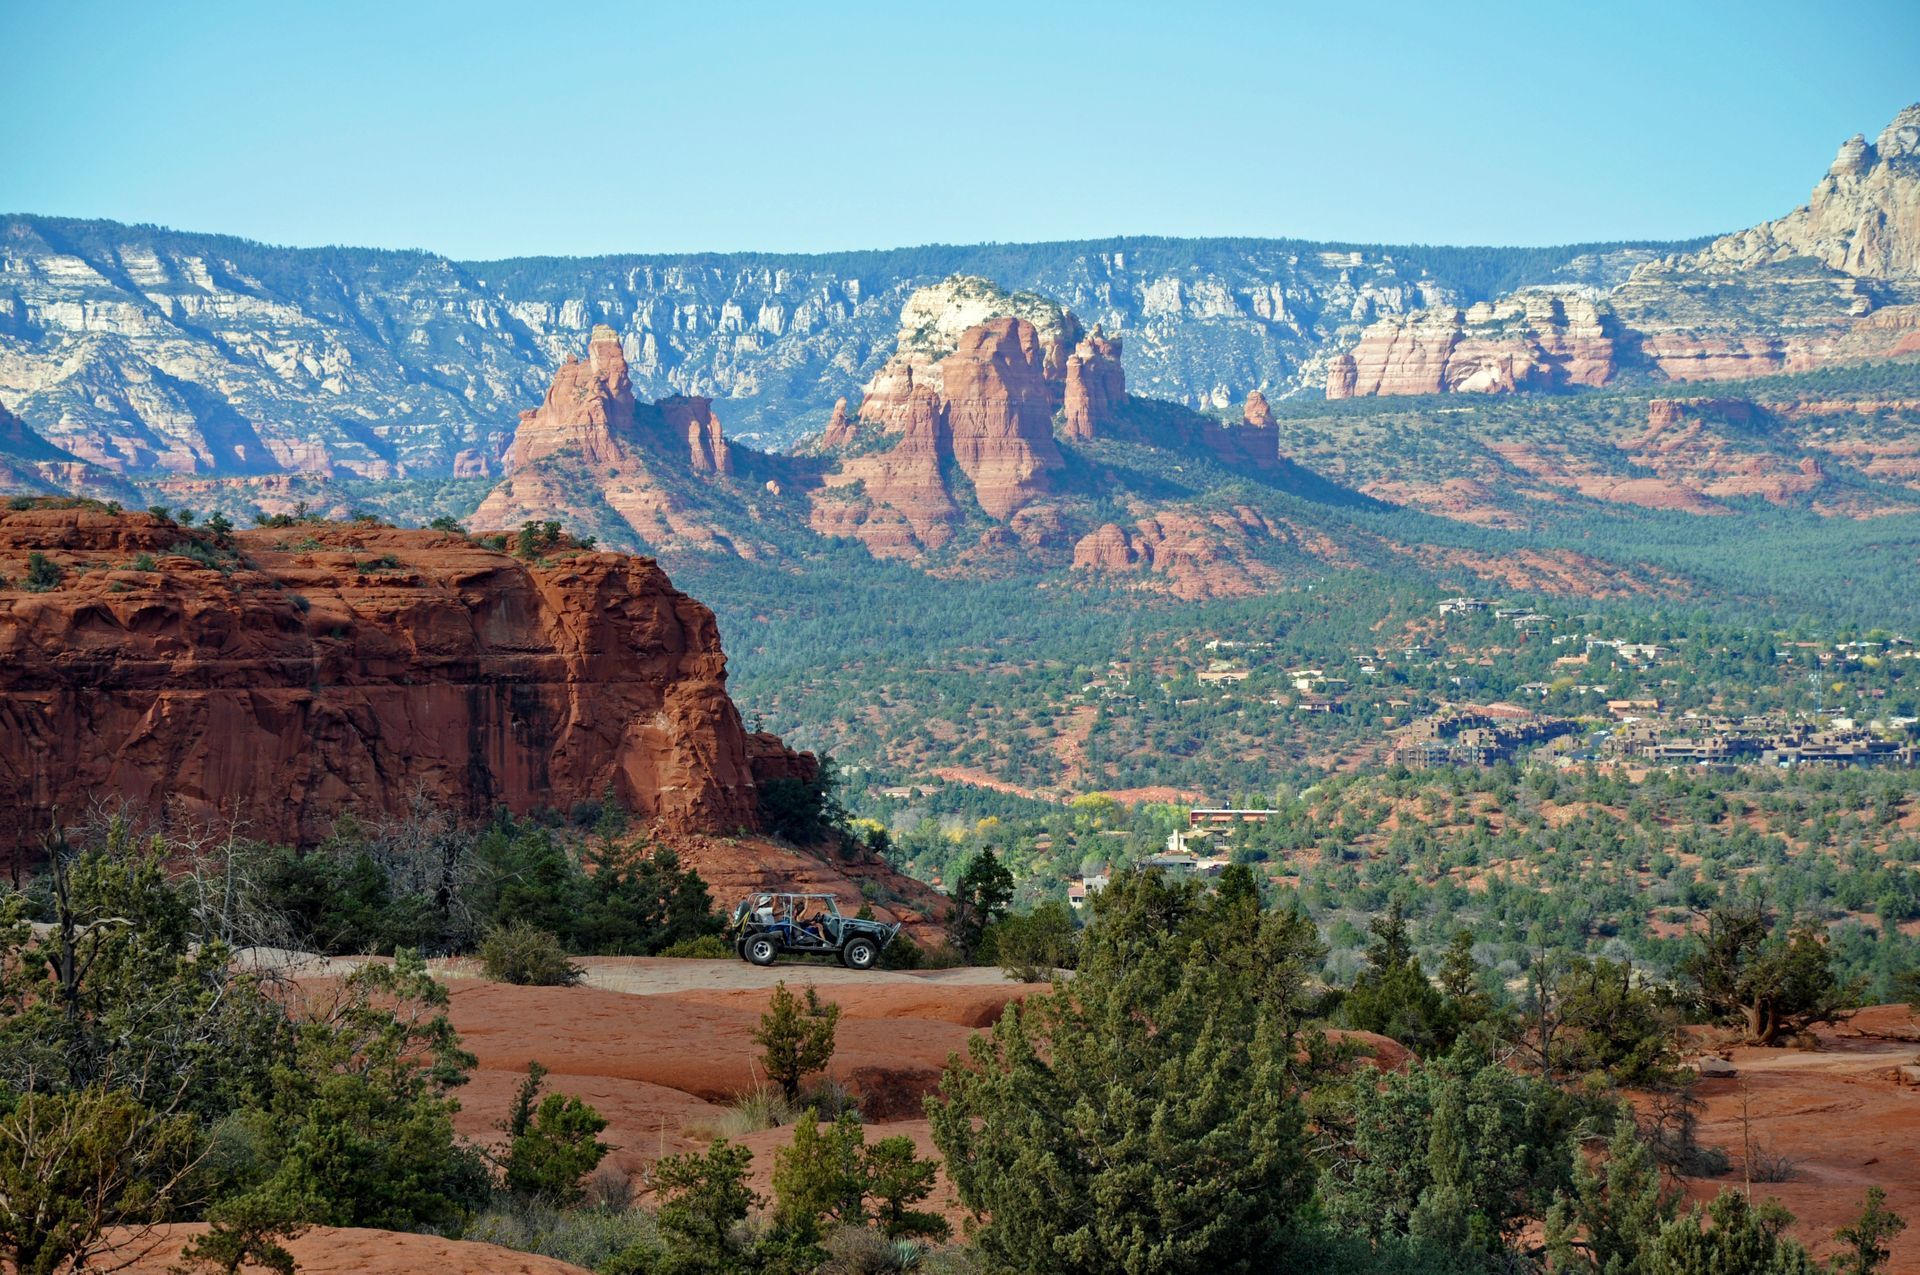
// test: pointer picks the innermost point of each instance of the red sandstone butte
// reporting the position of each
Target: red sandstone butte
(331, 668)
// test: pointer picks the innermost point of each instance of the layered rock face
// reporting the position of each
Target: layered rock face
(999, 413)
(29, 463)
(1863, 218)
(1835, 281)
(588, 409)
(304, 683)
(1095, 388)
(1531, 340)
(147, 350)
(589, 443)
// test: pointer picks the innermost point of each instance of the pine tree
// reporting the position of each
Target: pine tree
(820, 1177)
(1606, 1223)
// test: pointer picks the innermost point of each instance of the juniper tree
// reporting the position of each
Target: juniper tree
(1744, 1239)
(1773, 985)
(1145, 1117)
(796, 1037)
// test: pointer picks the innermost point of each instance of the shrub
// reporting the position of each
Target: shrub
(1764, 1164)
(763, 1108)
(598, 1239)
(143, 562)
(708, 947)
(797, 1037)
(1032, 946)
(608, 1190)
(526, 956)
(42, 573)
(554, 1144)
(703, 1198)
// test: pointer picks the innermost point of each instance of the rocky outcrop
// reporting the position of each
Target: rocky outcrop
(1533, 340)
(1188, 554)
(1863, 218)
(336, 668)
(588, 410)
(979, 399)
(1095, 388)
(840, 428)
(895, 501)
(693, 417)
(984, 412)
(1255, 412)
(590, 450)
(1835, 281)
(999, 413)
(937, 320)
(1710, 445)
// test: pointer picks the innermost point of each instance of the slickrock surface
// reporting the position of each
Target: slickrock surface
(323, 668)
(1840, 1112)
(333, 1250)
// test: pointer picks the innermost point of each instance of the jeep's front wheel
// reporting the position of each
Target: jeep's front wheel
(860, 954)
(762, 950)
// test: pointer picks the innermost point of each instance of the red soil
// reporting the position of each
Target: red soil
(1841, 1114)
(327, 1250)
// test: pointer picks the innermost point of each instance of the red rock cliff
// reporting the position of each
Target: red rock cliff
(588, 406)
(693, 418)
(1096, 386)
(1000, 414)
(304, 682)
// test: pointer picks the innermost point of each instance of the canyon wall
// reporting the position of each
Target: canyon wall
(1837, 280)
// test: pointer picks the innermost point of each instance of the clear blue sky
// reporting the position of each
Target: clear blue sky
(485, 129)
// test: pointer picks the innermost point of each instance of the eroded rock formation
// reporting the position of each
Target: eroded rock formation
(590, 444)
(693, 417)
(999, 413)
(300, 682)
(1095, 388)
(1530, 340)
(1837, 280)
(1256, 412)
(588, 409)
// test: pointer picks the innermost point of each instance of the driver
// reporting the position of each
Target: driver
(810, 926)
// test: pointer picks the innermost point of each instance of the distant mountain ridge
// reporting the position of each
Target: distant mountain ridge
(146, 351)
(1837, 280)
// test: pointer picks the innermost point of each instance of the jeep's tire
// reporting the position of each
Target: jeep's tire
(761, 949)
(859, 954)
